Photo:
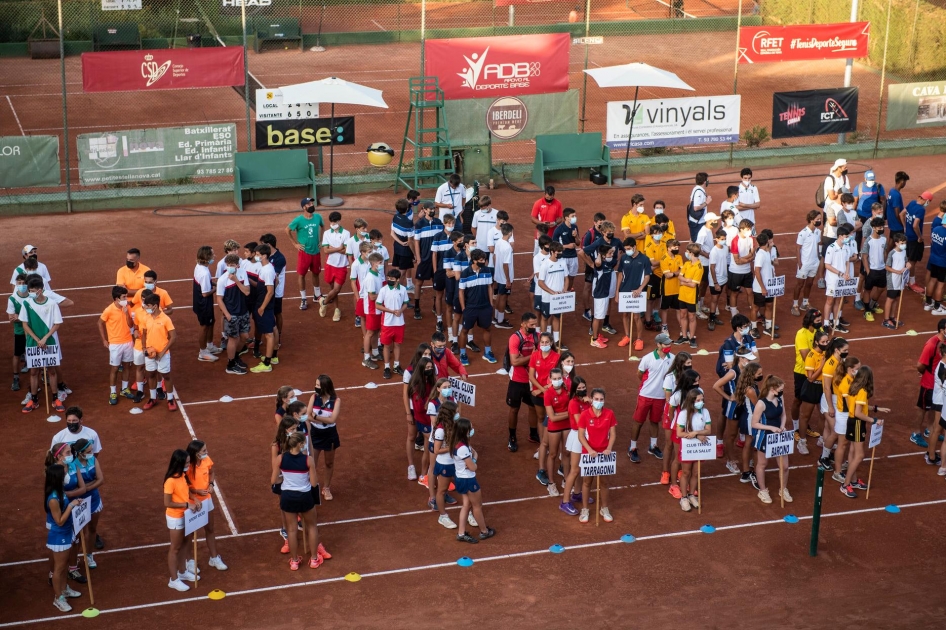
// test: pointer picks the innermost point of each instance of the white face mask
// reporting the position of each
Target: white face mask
(640, 209)
(744, 331)
(848, 206)
(573, 220)
(447, 229)
(557, 383)
(729, 222)
(568, 368)
(258, 258)
(123, 302)
(231, 270)
(657, 237)
(698, 405)
(334, 226)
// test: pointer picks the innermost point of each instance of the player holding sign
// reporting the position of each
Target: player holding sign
(41, 319)
(693, 422)
(597, 431)
(769, 417)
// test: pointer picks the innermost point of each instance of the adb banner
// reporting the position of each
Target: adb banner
(29, 161)
(490, 67)
(674, 121)
(916, 105)
(288, 134)
(803, 42)
(814, 112)
(133, 70)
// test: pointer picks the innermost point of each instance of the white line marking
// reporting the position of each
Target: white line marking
(444, 565)
(17, 118)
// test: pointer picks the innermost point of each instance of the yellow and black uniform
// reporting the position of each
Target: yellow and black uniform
(654, 250)
(692, 270)
(828, 371)
(857, 428)
(671, 286)
(811, 390)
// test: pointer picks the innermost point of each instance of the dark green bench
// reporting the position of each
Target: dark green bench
(284, 168)
(569, 150)
(116, 36)
(275, 29)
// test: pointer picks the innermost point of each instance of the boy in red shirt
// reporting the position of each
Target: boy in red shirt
(597, 431)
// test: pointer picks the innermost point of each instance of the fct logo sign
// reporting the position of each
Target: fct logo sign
(515, 73)
(833, 112)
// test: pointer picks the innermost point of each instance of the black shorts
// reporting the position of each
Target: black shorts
(877, 279)
(425, 270)
(670, 302)
(893, 294)
(204, 309)
(914, 251)
(293, 502)
(924, 400)
(760, 299)
(325, 439)
(713, 291)
(539, 401)
(481, 316)
(740, 281)
(404, 263)
(856, 430)
(800, 379)
(277, 305)
(936, 272)
(653, 287)
(518, 393)
(589, 275)
(440, 280)
(449, 291)
(265, 323)
(686, 306)
(19, 345)
(501, 289)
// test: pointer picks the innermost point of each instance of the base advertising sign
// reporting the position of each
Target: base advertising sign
(283, 134)
(916, 105)
(814, 112)
(490, 67)
(173, 69)
(803, 42)
(670, 122)
(29, 161)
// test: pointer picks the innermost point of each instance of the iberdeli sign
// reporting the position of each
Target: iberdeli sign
(506, 117)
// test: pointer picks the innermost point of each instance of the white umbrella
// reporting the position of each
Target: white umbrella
(635, 74)
(332, 90)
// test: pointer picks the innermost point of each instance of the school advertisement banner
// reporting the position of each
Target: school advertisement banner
(136, 155)
(814, 112)
(29, 161)
(289, 134)
(173, 69)
(490, 67)
(803, 42)
(668, 122)
(916, 105)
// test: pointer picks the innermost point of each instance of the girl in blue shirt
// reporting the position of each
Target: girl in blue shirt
(59, 538)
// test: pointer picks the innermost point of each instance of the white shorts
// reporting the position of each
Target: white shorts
(571, 266)
(572, 443)
(840, 422)
(139, 357)
(824, 404)
(175, 523)
(162, 365)
(601, 307)
(831, 284)
(119, 353)
(806, 271)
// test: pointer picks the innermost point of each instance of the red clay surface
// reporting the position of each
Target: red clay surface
(378, 523)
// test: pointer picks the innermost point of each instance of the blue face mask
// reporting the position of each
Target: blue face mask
(34, 296)
(472, 431)
(149, 286)
(68, 459)
(231, 269)
(598, 404)
(447, 392)
(21, 290)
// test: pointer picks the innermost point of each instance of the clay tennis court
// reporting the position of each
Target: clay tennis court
(873, 567)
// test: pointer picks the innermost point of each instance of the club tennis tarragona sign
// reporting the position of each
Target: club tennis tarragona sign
(674, 121)
(135, 70)
(490, 67)
(803, 42)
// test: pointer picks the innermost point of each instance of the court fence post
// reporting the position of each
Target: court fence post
(816, 513)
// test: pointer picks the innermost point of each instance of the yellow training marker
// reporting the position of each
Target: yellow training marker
(216, 594)
(90, 613)
(775, 346)
(353, 577)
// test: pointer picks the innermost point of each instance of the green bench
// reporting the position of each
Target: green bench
(277, 30)
(116, 36)
(284, 168)
(569, 150)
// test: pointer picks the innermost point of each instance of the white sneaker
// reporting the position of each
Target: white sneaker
(27, 399)
(218, 564)
(928, 307)
(61, 603)
(212, 349)
(685, 504)
(470, 520)
(939, 312)
(820, 442)
(446, 521)
(942, 471)
(187, 576)
(177, 585)
(786, 495)
(68, 592)
(802, 447)
(411, 473)
(553, 490)
(189, 566)
(90, 562)
(535, 456)
(203, 355)
(732, 467)
(583, 517)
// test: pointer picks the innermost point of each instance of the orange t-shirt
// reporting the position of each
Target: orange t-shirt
(132, 279)
(116, 326)
(180, 493)
(166, 301)
(200, 477)
(158, 328)
(139, 316)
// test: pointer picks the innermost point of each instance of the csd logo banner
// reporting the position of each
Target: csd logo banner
(291, 134)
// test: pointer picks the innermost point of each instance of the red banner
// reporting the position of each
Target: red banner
(506, 3)
(803, 42)
(134, 70)
(487, 67)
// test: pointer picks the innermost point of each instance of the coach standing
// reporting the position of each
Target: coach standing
(696, 209)
(132, 275)
(546, 210)
(305, 232)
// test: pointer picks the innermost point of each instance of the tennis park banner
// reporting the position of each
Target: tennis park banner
(490, 67)
(173, 69)
(916, 105)
(814, 112)
(166, 153)
(670, 122)
(803, 42)
(29, 161)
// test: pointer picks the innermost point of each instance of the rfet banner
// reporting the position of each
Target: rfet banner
(490, 67)
(814, 112)
(174, 69)
(803, 42)
(916, 105)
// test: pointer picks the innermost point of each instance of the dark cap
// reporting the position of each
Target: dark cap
(306, 201)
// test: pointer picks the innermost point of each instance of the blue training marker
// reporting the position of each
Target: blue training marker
(556, 549)
(791, 518)
(627, 538)
(707, 529)
(465, 562)
(893, 509)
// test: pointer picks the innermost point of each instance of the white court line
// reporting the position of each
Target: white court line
(17, 118)
(443, 565)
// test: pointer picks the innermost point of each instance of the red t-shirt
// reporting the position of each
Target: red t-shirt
(596, 428)
(930, 358)
(547, 212)
(558, 401)
(520, 373)
(576, 407)
(543, 366)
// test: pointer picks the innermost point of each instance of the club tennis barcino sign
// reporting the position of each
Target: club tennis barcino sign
(490, 67)
(125, 71)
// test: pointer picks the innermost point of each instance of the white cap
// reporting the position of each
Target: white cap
(27, 249)
(839, 162)
(750, 356)
(711, 216)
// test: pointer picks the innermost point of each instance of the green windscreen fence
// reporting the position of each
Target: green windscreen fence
(545, 114)
(27, 161)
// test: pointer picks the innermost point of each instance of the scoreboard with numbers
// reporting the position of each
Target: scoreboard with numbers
(269, 106)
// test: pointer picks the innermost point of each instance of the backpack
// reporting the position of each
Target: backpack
(692, 216)
(819, 193)
(507, 359)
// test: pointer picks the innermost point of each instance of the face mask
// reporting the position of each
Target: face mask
(292, 400)
(447, 229)
(363, 234)
(823, 346)
(629, 252)
(303, 417)
(844, 172)
(258, 258)
(456, 417)
(729, 222)
(675, 250)
(780, 394)
(446, 392)
(74, 427)
(545, 348)
(758, 378)
(531, 330)
(744, 331)
(472, 431)
(747, 182)
(581, 393)
(21, 290)
(378, 245)
(149, 311)
(438, 352)
(149, 286)
(901, 247)
(123, 302)
(573, 220)
(334, 226)
(848, 206)
(598, 404)
(392, 283)
(557, 383)
(129, 264)
(428, 370)
(231, 269)
(657, 237)
(290, 432)
(187, 469)
(665, 350)
(844, 354)
(817, 223)
(34, 296)
(640, 209)
(568, 368)
(68, 459)
(698, 405)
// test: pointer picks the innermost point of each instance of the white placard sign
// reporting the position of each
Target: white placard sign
(37, 357)
(561, 303)
(876, 433)
(269, 106)
(464, 392)
(779, 444)
(577, 41)
(845, 288)
(121, 5)
(775, 287)
(81, 515)
(667, 122)
(627, 303)
(693, 450)
(195, 520)
(599, 466)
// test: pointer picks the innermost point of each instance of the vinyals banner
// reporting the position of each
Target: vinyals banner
(814, 112)
(490, 67)
(174, 69)
(803, 42)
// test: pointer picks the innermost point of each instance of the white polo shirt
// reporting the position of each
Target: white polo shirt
(748, 194)
(454, 196)
(393, 299)
(810, 242)
(656, 368)
(336, 238)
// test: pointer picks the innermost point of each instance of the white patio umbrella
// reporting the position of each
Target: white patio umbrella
(332, 90)
(637, 75)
